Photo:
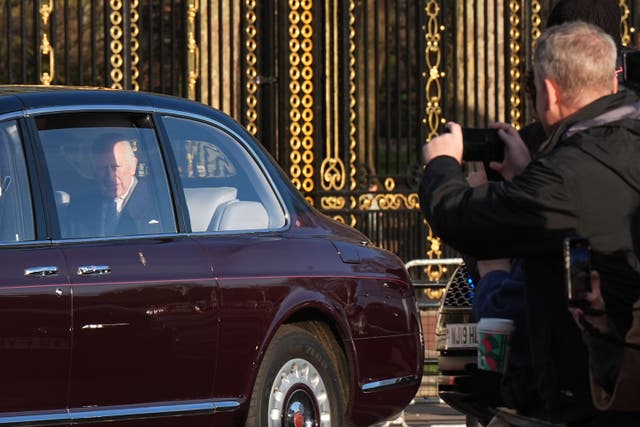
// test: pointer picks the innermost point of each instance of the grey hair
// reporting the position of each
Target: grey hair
(106, 142)
(579, 58)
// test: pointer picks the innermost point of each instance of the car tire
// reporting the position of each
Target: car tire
(299, 382)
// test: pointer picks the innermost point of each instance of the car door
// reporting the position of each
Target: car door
(236, 216)
(35, 299)
(144, 296)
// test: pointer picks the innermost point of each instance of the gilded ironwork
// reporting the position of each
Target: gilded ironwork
(353, 141)
(514, 63)
(433, 293)
(433, 90)
(301, 93)
(332, 169)
(251, 67)
(116, 46)
(333, 203)
(193, 61)
(341, 218)
(135, 44)
(625, 29)
(536, 21)
(434, 272)
(389, 184)
(388, 201)
(433, 56)
(45, 46)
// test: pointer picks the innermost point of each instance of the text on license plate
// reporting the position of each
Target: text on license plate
(461, 335)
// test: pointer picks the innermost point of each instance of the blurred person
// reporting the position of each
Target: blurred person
(584, 182)
(499, 293)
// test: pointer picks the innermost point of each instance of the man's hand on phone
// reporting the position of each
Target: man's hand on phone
(477, 176)
(516, 153)
(595, 312)
(446, 144)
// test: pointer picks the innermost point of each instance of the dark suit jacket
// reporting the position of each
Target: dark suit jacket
(140, 213)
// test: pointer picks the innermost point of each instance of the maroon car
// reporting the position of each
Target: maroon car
(158, 268)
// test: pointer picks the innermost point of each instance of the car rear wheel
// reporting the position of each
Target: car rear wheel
(298, 383)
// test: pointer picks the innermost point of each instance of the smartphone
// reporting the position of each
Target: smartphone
(577, 259)
(482, 144)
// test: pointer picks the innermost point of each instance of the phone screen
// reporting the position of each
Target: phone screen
(578, 269)
(482, 144)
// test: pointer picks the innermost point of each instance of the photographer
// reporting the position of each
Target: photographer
(586, 182)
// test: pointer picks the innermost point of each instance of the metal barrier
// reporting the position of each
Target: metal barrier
(428, 305)
(429, 297)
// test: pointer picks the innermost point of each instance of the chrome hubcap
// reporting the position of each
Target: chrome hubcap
(299, 397)
(300, 410)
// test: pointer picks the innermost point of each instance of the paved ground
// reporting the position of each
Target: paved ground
(427, 410)
(428, 413)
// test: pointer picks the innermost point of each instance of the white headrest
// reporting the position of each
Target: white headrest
(203, 201)
(240, 215)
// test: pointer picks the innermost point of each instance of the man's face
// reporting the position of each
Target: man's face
(115, 169)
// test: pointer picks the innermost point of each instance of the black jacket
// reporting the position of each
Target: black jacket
(586, 182)
(141, 212)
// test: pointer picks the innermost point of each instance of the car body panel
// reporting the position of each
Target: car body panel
(151, 322)
(35, 325)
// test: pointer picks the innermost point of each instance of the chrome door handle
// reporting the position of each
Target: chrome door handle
(93, 270)
(44, 271)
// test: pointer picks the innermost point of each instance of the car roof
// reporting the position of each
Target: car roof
(27, 97)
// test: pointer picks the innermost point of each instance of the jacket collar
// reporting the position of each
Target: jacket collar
(588, 114)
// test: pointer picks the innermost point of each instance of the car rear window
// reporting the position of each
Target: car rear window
(107, 173)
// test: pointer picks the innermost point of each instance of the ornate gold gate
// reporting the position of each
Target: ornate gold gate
(343, 93)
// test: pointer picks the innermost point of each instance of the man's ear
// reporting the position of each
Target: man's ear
(615, 84)
(553, 95)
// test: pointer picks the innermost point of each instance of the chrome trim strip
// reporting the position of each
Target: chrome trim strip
(226, 406)
(391, 382)
(46, 418)
(140, 411)
(87, 108)
(80, 415)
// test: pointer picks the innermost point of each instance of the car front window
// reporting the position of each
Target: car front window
(107, 174)
(224, 188)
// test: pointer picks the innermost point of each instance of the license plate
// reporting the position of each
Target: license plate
(461, 335)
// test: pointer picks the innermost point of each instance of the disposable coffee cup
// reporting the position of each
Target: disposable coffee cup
(494, 336)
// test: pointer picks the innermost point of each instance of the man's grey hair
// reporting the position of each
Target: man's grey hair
(579, 58)
(106, 142)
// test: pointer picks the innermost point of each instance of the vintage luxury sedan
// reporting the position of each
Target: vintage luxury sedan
(158, 268)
